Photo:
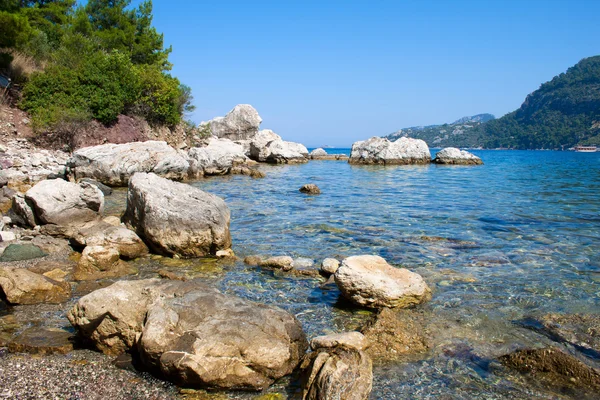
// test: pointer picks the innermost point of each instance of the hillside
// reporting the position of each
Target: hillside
(562, 113)
(455, 134)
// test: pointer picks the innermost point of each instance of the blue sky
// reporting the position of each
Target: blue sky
(333, 72)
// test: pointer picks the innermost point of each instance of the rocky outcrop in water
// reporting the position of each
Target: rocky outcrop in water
(217, 157)
(241, 123)
(381, 151)
(176, 219)
(321, 154)
(454, 156)
(338, 368)
(267, 146)
(371, 282)
(191, 333)
(310, 188)
(21, 286)
(114, 164)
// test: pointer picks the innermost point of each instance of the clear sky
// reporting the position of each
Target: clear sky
(333, 72)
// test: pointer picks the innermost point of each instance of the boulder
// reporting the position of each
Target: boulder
(21, 252)
(337, 373)
(258, 143)
(61, 203)
(175, 218)
(318, 153)
(125, 241)
(21, 286)
(454, 156)
(330, 265)
(381, 151)
(241, 123)
(218, 157)
(282, 152)
(310, 188)
(106, 190)
(191, 333)
(212, 340)
(284, 263)
(99, 262)
(22, 212)
(114, 164)
(371, 282)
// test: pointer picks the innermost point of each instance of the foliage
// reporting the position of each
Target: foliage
(103, 59)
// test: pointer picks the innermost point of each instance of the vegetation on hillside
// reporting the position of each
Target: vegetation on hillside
(562, 113)
(96, 61)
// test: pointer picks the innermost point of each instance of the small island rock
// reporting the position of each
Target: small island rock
(371, 282)
(310, 188)
(381, 151)
(454, 156)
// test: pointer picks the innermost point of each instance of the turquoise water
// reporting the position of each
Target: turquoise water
(516, 237)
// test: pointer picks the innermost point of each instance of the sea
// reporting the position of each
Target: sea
(499, 244)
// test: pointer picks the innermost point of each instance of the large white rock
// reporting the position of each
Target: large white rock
(318, 152)
(217, 157)
(241, 123)
(175, 218)
(381, 151)
(371, 282)
(114, 164)
(452, 155)
(62, 203)
(259, 142)
(193, 334)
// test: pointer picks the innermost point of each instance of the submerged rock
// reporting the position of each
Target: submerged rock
(193, 334)
(240, 123)
(581, 330)
(554, 368)
(337, 373)
(21, 286)
(114, 164)
(175, 218)
(381, 151)
(371, 282)
(310, 188)
(452, 155)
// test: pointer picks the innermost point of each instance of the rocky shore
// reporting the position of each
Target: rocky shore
(83, 316)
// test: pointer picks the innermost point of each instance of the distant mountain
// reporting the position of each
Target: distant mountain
(562, 113)
(446, 134)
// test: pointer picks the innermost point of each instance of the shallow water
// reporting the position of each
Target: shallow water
(514, 238)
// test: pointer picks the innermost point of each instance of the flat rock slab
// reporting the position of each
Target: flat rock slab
(21, 286)
(21, 252)
(42, 341)
(371, 282)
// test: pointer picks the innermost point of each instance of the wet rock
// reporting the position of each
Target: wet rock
(106, 190)
(216, 341)
(217, 157)
(63, 203)
(254, 260)
(191, 333)
(163, 273)
(177, 219)
(337, 373)
(302, 262)
(115, 164)
(247, 171)
(310, 188)
(127, 242)
(381, 151)
(225, 254)
(454, 156)
(552, 367)
(21, 286)
(581, 330)
(329, 266)
(240, 123)
(353, 340)
(396, 334)
(21, 252)
(99, 262)
(371, 282)
(284, 263)
(42, 341)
